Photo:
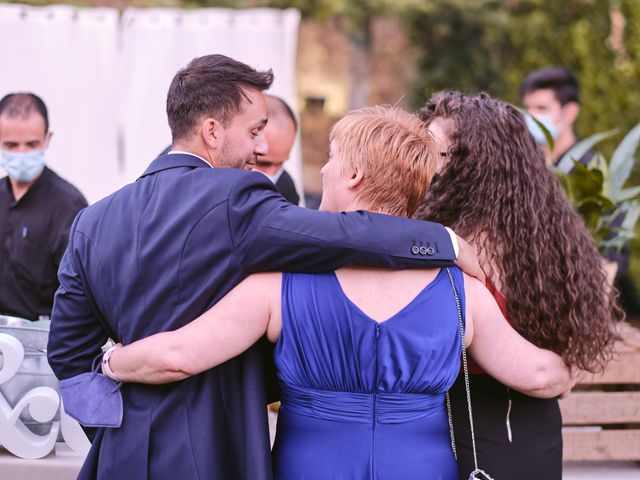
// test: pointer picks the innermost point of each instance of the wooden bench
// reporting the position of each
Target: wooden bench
(601, 417)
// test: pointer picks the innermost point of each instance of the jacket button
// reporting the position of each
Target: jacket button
(430, 251)
(423, 250)
(415, 250)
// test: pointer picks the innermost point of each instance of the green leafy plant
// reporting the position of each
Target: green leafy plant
(599, 191)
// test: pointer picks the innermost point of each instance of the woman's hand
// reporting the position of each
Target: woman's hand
(467, 260)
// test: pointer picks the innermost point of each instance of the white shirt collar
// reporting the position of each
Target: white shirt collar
(172, 152)
(277, 176)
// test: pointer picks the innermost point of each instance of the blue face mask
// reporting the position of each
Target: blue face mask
(536, 131)
(23, 166)
(93, 399)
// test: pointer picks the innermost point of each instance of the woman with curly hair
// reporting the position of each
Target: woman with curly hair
(542, 266)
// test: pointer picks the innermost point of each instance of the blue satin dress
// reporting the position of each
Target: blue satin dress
(361, 399)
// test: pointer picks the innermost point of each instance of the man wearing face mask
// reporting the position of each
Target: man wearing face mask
(36, 210)
(551, 94)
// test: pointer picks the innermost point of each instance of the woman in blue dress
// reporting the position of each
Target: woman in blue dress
(364, 356)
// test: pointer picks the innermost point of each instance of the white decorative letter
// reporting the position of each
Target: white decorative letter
(42, 402)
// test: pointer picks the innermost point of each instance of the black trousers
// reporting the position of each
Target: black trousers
(535, 449)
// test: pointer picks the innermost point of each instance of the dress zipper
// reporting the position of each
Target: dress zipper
(375, 405)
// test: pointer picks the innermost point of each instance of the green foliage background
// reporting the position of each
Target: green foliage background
(491, 45)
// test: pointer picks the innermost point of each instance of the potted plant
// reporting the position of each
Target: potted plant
(598, 190)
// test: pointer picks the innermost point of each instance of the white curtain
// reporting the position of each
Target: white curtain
(105, 78)
(68, 56)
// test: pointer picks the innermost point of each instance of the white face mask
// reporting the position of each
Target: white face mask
(536, 131)
(23, 166)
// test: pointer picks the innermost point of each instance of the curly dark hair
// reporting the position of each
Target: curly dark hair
(498, 193)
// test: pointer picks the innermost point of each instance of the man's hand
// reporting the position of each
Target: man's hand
(468, 260)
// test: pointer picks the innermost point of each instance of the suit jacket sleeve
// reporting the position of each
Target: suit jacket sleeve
(269, 233)
(77, 330)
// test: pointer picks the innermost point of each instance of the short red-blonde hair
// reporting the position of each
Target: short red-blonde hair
(395, 152)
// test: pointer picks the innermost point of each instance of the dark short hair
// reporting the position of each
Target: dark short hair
(211, 85)
(23, 104)
(285, 109)
(559, 79)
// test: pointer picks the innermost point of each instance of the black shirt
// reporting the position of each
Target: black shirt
(33, 237)
(585, 159)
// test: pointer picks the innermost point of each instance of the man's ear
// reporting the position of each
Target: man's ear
(356, 179)
(571, 111)
(212, 133)
(47, 139)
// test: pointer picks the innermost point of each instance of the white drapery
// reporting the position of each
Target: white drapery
(104, 78)
(67, 56)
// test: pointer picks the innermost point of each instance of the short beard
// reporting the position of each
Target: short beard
(228, 160)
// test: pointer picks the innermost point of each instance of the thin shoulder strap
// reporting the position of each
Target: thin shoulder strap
(467, 388)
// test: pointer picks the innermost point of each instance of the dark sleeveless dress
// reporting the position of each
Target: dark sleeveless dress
(528, 447)
(360, 399)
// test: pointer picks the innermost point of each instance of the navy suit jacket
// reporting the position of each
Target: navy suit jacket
(159, 252)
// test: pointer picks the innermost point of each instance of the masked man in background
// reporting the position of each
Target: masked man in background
(552, 95)
(36, 210)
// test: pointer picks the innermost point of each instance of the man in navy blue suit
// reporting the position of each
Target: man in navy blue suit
(162, 250)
